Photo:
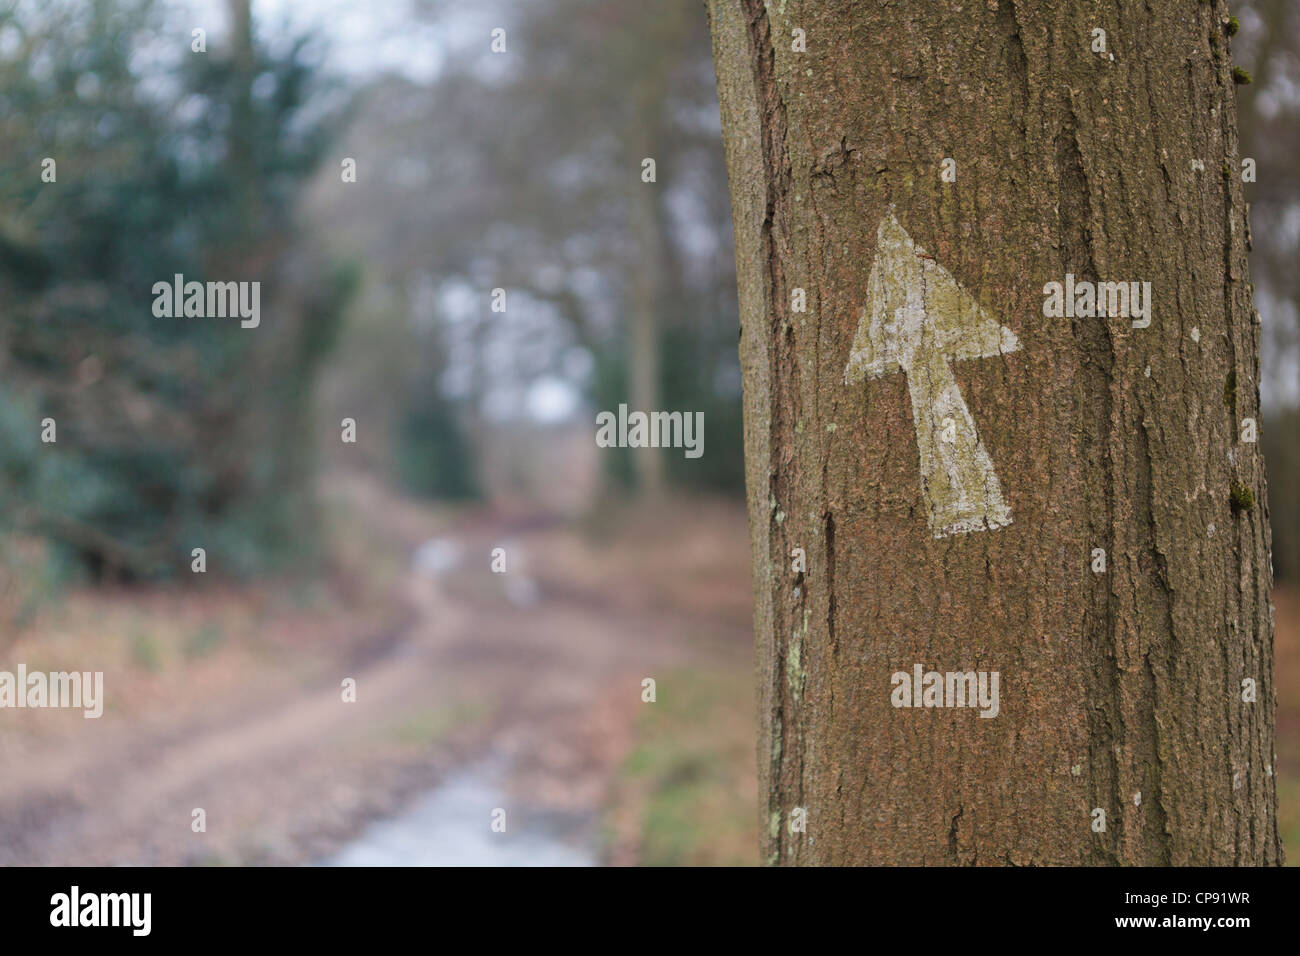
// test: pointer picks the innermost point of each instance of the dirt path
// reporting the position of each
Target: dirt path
(540, 667)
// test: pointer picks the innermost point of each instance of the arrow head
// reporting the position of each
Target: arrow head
(915, 305)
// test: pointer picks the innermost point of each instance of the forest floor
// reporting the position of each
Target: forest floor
(229, 699)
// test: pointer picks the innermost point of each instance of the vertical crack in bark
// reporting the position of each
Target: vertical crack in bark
(1159, 617)
(829, 520)
(783, 368)
(1094, 399)
(952, 834)
(1157, 830)
(1017, 62)
(776, 755)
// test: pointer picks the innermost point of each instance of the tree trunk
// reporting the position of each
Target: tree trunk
(242, 132)
(954, 497)
(643, 352)
(643, 362)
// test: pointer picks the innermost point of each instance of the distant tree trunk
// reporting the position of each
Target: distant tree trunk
(241, 131)
(954, 469)
(643, 358)
(655, 282)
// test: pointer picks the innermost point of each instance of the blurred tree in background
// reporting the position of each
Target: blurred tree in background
(636, 82)
(173, 433)
(1269, 46)
(523, 172)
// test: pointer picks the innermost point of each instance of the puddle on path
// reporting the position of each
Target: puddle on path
(451, 826)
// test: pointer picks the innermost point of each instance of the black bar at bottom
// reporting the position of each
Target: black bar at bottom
(331, 906)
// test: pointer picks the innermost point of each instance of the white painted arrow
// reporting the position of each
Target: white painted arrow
(917, 319)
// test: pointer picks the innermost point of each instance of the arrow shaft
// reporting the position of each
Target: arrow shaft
(961, 489)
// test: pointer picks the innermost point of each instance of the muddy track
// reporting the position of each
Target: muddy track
(286, 772)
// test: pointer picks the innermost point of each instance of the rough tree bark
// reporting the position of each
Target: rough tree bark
(1120, 690)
